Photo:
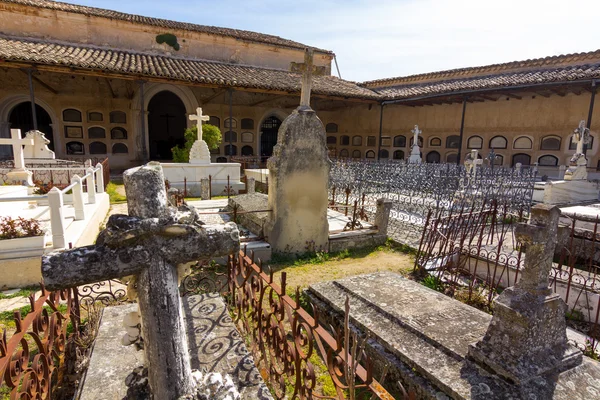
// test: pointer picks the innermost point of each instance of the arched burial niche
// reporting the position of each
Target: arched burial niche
(20, 117)
(166, 124)
(268, 135)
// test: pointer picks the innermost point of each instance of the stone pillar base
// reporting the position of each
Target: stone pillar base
(21, 177)
(526, 338)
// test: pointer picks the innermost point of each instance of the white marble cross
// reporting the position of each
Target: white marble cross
(198, 117)
(17, 144)
(417, 132)
(306, 78)
(581, 137)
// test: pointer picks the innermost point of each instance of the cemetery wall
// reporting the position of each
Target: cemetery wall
(31, 21)
(534, 117)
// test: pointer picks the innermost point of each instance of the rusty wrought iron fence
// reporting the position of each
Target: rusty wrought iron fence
(284, 337)
(473, 255)
(32, 357)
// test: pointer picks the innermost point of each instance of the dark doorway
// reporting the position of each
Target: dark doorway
(166, 124)
(268, 135)
(20, 118)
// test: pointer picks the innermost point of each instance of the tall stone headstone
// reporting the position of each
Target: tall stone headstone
(298, 179)
(527, 336)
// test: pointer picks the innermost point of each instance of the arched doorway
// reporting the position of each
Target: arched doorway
(20, 118)
(268, 135)
(166, 124)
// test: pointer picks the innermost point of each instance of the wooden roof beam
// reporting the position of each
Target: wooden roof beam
(269, 99)
(490, 98)
(214, 96)
(44, 84)
(514, 96)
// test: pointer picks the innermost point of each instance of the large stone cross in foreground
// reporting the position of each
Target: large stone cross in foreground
(528, 335)
(152, 241)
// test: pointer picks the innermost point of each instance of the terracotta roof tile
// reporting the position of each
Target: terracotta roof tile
(164, 23)
(179, 69)
(551, 62)
(491, 82)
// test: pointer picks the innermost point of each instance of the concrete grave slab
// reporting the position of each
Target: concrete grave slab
(425, 335)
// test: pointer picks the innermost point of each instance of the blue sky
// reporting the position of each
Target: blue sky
(376, 39)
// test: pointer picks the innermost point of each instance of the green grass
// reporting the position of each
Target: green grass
(23, 292)
(114, 196)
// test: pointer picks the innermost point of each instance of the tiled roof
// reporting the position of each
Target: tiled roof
(164, 23)
(528, 77)
(545, 63)
(184, 70)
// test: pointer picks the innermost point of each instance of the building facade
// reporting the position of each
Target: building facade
(109, 84)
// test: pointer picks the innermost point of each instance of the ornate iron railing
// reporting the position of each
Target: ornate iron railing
(473, 254)
(415, 189)
(32, 357)
(283, 337)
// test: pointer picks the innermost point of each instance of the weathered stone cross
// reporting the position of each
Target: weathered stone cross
(151, 242)
(306, 79)
(199, 118)
(527, 336)
(20, 174)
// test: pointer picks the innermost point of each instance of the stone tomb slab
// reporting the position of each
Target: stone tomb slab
(215, 345)
(213, 342)
(425, 336)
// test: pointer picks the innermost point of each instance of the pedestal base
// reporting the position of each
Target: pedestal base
(21, 177)
(526, 338)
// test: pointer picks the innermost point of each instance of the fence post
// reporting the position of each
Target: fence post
(210, 187)
(382, 215)
(204, 189)
(250, 185)
(99, 178)
(55, 203)
(91, 186)
(78, 198)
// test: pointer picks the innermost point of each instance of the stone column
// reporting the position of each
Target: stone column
(251, 185)
(298, 180)
(78, 203)
(527, 336)
(205, 189)
(55, 203)
(561, 171)
(165, 342)
(382, 215)
(91, 186)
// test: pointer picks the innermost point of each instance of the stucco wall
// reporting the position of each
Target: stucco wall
(19, 20)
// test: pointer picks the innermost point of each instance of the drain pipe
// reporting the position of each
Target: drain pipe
(380, 131)
(590, 112)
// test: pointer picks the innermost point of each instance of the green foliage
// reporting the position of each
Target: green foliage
(590, 351)
(114, 196)
(574, 315)
(19, 228)
(433, 282)
(210, 134)
(23, 292)
(169, 39)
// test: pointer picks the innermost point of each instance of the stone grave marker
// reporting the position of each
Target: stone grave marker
(19, 174)
(415, 154)
(152, 241)
(298, 179)
(527, 336)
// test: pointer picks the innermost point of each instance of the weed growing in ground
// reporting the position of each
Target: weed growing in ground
(114, 196)
(433, 282)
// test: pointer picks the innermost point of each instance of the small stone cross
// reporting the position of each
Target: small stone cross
(540, 236)
(198, 117)
(17, 145)
(416, 132)
(581, 136)
(306, 78)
